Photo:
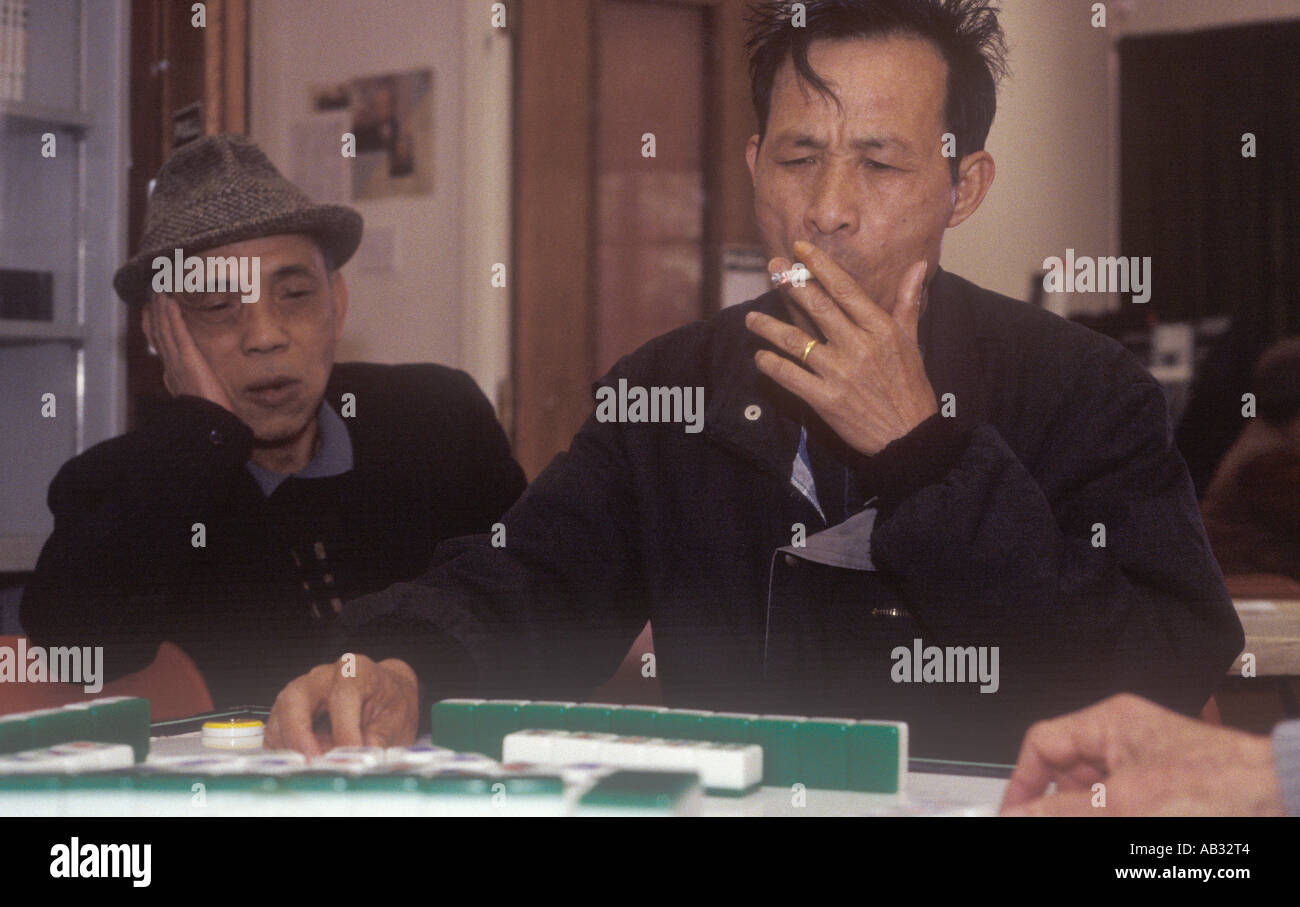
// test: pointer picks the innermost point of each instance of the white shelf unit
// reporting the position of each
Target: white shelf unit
(64, 214)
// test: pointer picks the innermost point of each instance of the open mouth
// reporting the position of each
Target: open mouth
(272, 391)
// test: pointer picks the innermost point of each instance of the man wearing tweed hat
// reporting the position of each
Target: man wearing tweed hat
(274, 485)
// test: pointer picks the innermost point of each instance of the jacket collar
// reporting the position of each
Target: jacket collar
(760, 421)
(954, 337)
(332, 458)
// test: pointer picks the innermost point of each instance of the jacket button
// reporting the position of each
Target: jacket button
(791, 560)
(752, 412)
(215, 437)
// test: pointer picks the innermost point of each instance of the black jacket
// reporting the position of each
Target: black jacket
(429, 462)
(983, 536)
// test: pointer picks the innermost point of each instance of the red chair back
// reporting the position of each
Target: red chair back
(172, 684)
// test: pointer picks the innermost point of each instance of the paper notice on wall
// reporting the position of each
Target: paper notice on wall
(316, 162)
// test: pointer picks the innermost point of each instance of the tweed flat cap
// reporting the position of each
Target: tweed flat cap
(222, 189)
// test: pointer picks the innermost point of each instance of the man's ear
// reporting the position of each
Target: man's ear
(146, 325)
(751, 155)
(974, 177)
(339, 290)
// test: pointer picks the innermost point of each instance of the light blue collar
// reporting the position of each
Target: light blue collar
(333, 458)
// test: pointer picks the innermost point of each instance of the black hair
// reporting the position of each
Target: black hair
(966, 34)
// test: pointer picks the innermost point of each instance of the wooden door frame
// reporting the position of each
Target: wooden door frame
(554, 157)
(553, 331)
(225, 109)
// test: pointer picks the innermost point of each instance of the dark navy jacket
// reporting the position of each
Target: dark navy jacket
(430, 462)
(983, 531)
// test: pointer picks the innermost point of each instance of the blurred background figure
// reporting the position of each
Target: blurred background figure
(1252, 506)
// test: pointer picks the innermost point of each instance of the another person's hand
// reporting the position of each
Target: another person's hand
(1151, 761)
(185, 371)
(867, 381)
(367, 704)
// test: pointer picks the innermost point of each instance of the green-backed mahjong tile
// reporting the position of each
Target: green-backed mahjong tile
(594, 719)
(454, 785)
(544, 716)
(237, 783)
(15, 735)
(681, 724)
(492, 721)
(53, 726)
(122, 721)
(778, 735)
(727, 727)
(120, 782)
(640, 790)
(636, 721)
(31, 783)
(170, 782)
(310, 782)
(382, 783)
(824, 754)
(453, 724)
(875, 757)
(532, 785)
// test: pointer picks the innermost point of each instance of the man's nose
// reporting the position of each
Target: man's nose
(264, 329)
(834, 205)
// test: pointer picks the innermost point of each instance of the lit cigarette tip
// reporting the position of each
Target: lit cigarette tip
(798, 275)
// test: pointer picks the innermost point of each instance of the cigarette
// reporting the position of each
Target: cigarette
(794, 276)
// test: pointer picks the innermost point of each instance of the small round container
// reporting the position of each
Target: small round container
(233, 734)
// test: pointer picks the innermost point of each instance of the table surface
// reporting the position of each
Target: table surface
(1272, 629)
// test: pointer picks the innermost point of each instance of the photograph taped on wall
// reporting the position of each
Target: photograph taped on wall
(392, 129)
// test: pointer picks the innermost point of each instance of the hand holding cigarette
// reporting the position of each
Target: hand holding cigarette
(866, 379)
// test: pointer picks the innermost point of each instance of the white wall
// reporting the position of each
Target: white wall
(1055, 135)
(436, 304)
(1051, 141)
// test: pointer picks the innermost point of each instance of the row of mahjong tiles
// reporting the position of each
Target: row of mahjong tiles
(824, 753)
(434, 779)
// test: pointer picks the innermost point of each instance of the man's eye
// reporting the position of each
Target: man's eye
(876, 165)
(796, 162)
